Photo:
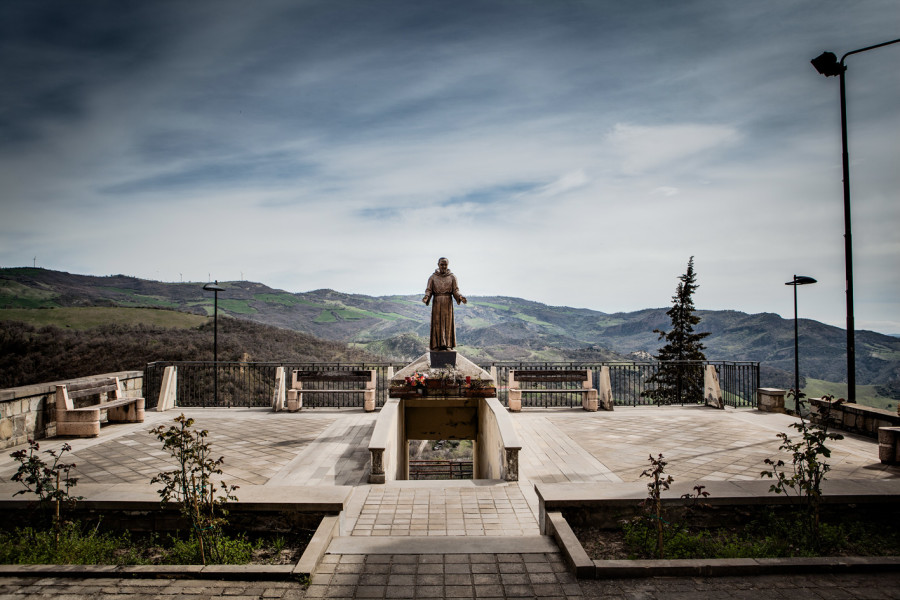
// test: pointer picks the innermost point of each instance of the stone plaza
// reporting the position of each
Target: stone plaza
(461, 538)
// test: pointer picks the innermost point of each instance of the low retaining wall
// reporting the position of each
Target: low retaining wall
(386, 448)
(606, 505)
(30, 411)
(854, 418)
(136, 506)
(497, 447)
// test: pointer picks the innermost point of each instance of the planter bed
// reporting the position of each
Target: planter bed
(593, 513)
(306, 517)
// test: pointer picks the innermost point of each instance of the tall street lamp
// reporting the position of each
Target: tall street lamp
(214, 287)
(797, 280)
(827, 64)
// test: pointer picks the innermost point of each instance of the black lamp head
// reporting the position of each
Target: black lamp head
(827, 64)
(801, 280)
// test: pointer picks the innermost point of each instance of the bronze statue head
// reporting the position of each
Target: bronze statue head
(443, 264)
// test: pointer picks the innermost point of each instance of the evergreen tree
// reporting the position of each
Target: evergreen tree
(675, 380)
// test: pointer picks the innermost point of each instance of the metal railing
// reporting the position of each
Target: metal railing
(630, 382)
(440, 469)
(253, 384)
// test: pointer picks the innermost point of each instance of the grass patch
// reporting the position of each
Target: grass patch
(356, 314)
(771, 535)
(283, 299)
(326, 316)
(85, 544)
(16, 295)
(94, 316)
(491, 304)
(241, 307)
(536, 321)
(142, 300)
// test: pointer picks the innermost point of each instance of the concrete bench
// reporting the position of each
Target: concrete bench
(84, 421)
(366, 377)
(583, 377)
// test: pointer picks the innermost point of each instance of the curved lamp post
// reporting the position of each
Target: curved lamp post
(214, 287)
(827, 64)
(797, 280)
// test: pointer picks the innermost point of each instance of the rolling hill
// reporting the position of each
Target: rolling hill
(488, 328)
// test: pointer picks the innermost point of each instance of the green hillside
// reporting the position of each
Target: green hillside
(488, 327)
(95, 316)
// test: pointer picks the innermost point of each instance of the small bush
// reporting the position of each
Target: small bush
(75, 545)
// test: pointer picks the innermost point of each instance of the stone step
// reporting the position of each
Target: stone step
(442, 544)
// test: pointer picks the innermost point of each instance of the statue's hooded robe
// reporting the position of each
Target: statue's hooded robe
(443, 289)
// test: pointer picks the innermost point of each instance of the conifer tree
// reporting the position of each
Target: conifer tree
(676, 381)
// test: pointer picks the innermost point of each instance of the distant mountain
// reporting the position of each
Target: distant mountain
(488, 327)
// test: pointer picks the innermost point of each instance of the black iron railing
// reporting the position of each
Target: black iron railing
(631, 382)
(440, 469)
(253, 384)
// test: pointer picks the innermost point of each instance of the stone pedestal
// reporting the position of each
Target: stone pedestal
(712, 392)
(294, 400)
(514, 400)
(589, 400)
(442, 358)
(770, 400)
(604, 391)
(889, 445)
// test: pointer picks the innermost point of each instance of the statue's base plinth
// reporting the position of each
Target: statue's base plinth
(443, 358)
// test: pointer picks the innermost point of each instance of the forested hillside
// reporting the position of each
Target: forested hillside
(30, 354)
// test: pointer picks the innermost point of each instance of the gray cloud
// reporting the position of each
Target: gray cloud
(569, 152)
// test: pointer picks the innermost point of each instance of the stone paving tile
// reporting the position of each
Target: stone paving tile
(128, 453)
(693, 442)
(499, 509)
(463, 576)
(795, 587)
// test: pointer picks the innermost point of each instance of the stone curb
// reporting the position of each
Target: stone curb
(212, 572)
(723, 567)
(317, 546)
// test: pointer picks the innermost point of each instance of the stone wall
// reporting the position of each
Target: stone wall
(854, 418)
(30, 411)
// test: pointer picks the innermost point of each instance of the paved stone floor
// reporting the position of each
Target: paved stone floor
(790, 587)
(329, 447)
(493, 510)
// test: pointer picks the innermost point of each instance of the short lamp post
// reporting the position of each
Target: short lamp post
(214, 287)
(797, 280)
(827, 64)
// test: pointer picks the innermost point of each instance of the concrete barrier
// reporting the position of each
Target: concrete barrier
(497, 445)
(386, 446)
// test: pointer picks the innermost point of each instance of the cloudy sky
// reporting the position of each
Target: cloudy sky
(570, 152)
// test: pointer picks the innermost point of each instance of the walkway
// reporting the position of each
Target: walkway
(794, 587)
(468, 539)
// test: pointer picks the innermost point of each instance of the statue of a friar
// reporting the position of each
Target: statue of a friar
(443, 288)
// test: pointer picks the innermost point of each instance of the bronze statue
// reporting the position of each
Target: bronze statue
(443, 288)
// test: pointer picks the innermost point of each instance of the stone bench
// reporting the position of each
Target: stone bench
(583, 377)
(366, 377)
(84, 421)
